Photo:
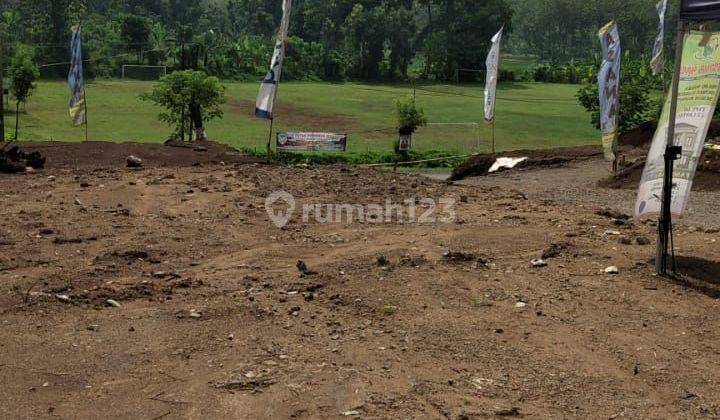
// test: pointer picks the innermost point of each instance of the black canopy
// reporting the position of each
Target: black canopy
(700, 10)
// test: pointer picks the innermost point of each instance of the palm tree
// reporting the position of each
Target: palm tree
(158, 41)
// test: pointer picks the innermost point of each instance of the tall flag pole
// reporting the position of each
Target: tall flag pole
(609, 90)
(658, 58)
(265, 104)
(78, 104)
(492, 64)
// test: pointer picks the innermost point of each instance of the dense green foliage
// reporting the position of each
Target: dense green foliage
(560, 30)
(637, 103)
(178, 90)
(331, 39)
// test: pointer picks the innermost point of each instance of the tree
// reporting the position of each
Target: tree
(558, 30)
(158, 41)
(459, 33)
(23, 73)
(637, 104)
(135, 32)
(182, 92)
(410, 117)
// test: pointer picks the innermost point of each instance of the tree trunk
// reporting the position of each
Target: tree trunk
(17, 119)
(182, 124)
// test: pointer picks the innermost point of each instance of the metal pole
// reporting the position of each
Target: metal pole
(269, 142)
(671, 154)
(86, 113)
(493, 136)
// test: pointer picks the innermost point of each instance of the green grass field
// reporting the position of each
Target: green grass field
(528, 115)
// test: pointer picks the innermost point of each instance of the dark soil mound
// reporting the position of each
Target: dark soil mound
(479, 165)
(103, 154)
(13, 159)
(707, 177)
(641, 136)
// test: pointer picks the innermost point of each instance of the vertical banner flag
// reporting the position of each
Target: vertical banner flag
(492, 63)
(609, 85)
(268, 89)
(698, 95)
(658, 61)
(75, 79)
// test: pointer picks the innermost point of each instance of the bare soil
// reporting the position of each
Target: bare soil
(216, 321)
(96, 154)
(312, 120)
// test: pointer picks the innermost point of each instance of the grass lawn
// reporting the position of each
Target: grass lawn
(528, 115)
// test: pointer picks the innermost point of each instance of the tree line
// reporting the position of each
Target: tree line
(561, 30)
(329, 39)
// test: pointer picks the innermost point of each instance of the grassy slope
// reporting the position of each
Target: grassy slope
(529, 115)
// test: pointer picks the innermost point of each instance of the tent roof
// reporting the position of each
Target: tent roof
(700, 10)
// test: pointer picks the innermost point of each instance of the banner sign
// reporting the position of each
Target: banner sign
(75, 79)
(658, 61)
(265, 103)
(311, 142)
(697, 98)
(609, 88)
(700, 10)
(405, 142)
(492, 63)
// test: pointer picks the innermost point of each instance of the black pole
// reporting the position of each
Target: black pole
(269, 142)
(87, 129)
(672, 153)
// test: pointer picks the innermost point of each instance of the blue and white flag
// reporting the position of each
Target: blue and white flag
(658, 60)
(268, 89)
(492, 64)
(76, 80)
(609, 88)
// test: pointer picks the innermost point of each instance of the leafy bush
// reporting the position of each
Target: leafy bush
(248, 58)
(178, 90)
(636, 103)
(572, 72)
(410, 116)
(23, 72)
(360, 158)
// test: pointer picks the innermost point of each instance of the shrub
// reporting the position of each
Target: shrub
(410, 117)
(23, 72)
(178, 90)
(636, 103)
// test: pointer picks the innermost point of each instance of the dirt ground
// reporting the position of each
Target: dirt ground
(210, 317)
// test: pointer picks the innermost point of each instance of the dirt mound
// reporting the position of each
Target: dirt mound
(479, 165)
(15, 160)
(641, 136)
(103, 154)
(707, 177)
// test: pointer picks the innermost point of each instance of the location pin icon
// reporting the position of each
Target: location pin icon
(282, 217)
